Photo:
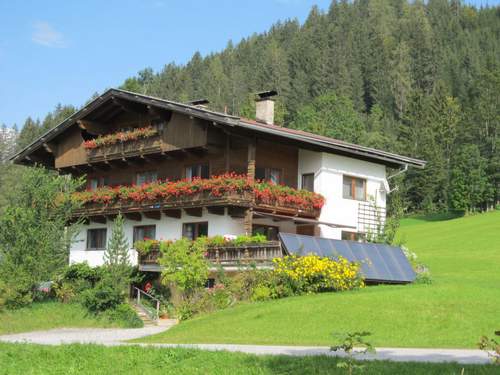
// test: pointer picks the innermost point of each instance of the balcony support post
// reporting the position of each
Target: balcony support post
(247, 221)
(251, 159)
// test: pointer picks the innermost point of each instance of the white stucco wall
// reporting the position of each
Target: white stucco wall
(166, 228)
(328, 172)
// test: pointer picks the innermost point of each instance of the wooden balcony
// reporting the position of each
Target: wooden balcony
(230, 255)
(122, 150)
(196, 201)
(204, 199)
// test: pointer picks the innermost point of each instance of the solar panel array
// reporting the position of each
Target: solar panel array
(379, 262)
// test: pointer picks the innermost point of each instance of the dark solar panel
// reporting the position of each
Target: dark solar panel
(379, 262)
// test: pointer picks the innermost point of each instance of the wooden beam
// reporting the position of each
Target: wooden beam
(216, 210)
(159, 112)
(111, 217)
(130, 106)
(173, 213)
(194, 211)
(48, 148)
(226, 153)
(98, 219)
(108, 116)
(236, 212)
(251, 159)
(93, 127)
(156, 215)
(248, 221)
(136, 216)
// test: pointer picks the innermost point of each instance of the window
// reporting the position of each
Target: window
(198, 170)
(146, 177)
(271, 232)
(194, 230)
(308, 181)
(352, 236)
(354, 188)
(269, 174)
(97, 182)
(143, 232)
(96, 239)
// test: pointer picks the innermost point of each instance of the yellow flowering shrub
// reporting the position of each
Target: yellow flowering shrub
(312, 273)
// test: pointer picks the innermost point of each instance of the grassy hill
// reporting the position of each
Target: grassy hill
(462, 304)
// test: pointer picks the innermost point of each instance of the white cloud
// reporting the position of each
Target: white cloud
(45, 35)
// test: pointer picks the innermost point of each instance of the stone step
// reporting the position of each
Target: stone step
(147, 321)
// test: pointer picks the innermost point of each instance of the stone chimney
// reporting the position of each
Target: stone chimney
(264, 106)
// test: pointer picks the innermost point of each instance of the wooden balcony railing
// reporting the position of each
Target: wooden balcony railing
(198, 200)
(126, 149)
(261, 253)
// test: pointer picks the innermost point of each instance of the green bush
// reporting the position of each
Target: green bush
(75, 279)
(14, 295)
(261, 293)
(199, 301)
(221, 297)
(101, 298)
(124, 315)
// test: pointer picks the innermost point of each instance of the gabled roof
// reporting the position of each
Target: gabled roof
(303, 138)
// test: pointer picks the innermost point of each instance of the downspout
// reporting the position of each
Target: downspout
(401, 171)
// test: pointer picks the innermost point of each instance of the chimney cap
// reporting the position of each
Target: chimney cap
(263, 95)
(199, 102)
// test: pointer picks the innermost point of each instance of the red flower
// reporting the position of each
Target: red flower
(216, 186)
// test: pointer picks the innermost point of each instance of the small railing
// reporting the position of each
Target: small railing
(150, 304)
(125, 149)
(230, 254)
(249, 253)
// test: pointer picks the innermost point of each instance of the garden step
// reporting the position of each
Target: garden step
(147, 321)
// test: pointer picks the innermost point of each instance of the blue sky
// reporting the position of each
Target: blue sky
(63, 51)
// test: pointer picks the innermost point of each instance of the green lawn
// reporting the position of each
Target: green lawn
(462, 304)
(92, 359)
(47, 315)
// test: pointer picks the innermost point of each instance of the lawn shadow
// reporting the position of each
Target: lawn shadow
(440, 216)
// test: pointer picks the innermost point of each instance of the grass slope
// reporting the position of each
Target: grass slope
(462, 304)
(92, 359)
(48, 315)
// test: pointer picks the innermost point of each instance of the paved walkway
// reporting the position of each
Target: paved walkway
(104, 336)
(464, 356)
(111, 337)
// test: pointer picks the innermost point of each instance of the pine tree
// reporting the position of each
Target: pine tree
(469, 183)
(116, 257)
(116, 253)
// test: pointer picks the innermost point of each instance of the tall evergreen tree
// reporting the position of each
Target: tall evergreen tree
(116, 253)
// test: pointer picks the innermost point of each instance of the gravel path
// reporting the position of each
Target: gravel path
(117, 336)
(105, 336)
(464, 356)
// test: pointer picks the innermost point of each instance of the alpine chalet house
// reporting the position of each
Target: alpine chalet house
(175, 170)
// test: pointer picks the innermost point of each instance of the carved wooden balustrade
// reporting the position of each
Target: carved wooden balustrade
(226, 255)
(126, 149)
